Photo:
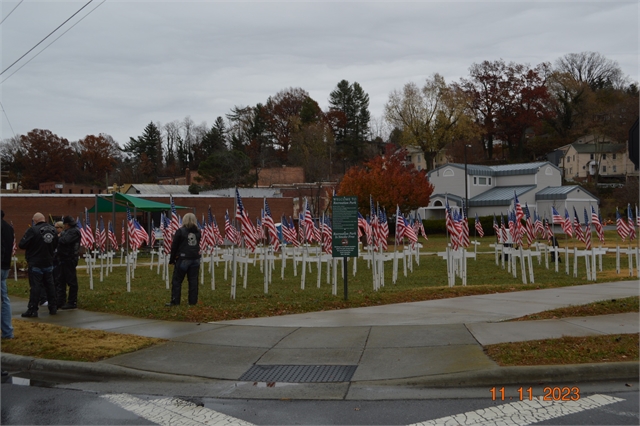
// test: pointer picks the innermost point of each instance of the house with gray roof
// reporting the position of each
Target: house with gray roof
(491, 189)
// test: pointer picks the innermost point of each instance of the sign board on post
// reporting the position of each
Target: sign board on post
(344, 236)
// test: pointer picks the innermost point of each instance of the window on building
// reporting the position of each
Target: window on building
(419, 167)
(489, 181)
(613, 156)
(574, 157)
(419, 158)
(604, 156)
(568, 159)
(590, 156)
(475, 180)
(447, 173)
(82, 191)
(70, 191)
(604, 169)
(614, 169)
(482, 181)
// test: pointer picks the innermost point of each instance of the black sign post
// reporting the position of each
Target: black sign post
(344, 237)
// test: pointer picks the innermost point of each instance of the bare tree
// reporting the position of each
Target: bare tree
(592, 68)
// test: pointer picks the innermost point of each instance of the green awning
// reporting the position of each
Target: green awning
(105, 204)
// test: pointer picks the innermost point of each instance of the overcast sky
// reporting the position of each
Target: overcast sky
(131, 62)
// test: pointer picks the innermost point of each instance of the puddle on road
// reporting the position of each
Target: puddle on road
(22, 381)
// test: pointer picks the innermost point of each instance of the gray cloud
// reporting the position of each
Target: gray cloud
(130, 63)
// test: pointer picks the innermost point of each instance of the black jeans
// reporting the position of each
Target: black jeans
(190, 268)
(40, 278)
(67, 277)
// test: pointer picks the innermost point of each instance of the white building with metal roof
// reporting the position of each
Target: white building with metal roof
(491, 189)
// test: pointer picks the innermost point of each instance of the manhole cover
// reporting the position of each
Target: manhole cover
(299, 373)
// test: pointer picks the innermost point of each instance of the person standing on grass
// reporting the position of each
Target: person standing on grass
(185, 256)
(40, 242)
(67, 259)
(6, 250)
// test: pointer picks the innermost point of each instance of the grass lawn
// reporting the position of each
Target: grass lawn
(602, 307)
(427, 281)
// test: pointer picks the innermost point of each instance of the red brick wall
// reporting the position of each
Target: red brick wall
(20, 208)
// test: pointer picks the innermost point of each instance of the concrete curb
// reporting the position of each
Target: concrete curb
(524, 375)
(92, 371)
(85, 371)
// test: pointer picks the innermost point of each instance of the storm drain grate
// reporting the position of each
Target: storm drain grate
(299, 373)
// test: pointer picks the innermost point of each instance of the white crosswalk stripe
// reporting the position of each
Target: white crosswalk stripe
(173, 411)
(523, 412)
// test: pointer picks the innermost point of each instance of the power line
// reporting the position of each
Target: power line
(48, 35)
(45, 48)
(5, 114)
(11, 12)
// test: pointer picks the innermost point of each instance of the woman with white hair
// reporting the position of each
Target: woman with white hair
(185, 256)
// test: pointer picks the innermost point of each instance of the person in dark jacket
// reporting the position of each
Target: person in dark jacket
(40, 242)
(6, 252)
(185, 256)
(67, 261)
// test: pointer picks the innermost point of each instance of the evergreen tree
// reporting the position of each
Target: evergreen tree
(349, 117)
(147, 150)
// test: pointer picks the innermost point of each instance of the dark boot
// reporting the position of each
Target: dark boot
(30, 314)
(68, 306)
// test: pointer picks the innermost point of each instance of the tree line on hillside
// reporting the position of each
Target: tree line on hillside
(504, 112)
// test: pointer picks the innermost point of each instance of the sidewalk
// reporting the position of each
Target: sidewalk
(409, 346)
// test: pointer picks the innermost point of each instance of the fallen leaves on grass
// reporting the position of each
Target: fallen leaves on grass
(50, 341)
(603, 307)
(567, 350)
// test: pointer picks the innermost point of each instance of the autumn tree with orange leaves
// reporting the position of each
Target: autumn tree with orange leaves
(390, 182)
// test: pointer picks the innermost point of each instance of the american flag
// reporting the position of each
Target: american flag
(496, 228)
(123, 239)
(373, 221)
(152, 242)
(206, 239)
(248, 232)
(595, 219)
(630, 223)
(549, 232)
(478, 226)
(556, 218)
(230, 232)
(411, 234)
(316, 231)
(112, 236)
(621, 226)
(637, 217)
(420, 226)
(537, 225)
(167, 235)
(259, 228)
(218, 239)
(531, 233)
(518, 210)
(576, 225)
(464, 228)
(301, 231)
(101, 236)
(567, 227)
(587, 230)
(511, 217)
(384, 229)
(88, 229)
(308, 222)
(450, 225)
(287, 236)
(399, 224)
(143, 237)
(294, 235)
(134, 243)
(85, 241)
(326, 235)
(203, 231)
(503, 229)
(174, 224)
(363, 225)
(458, 222)
(268, 222)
